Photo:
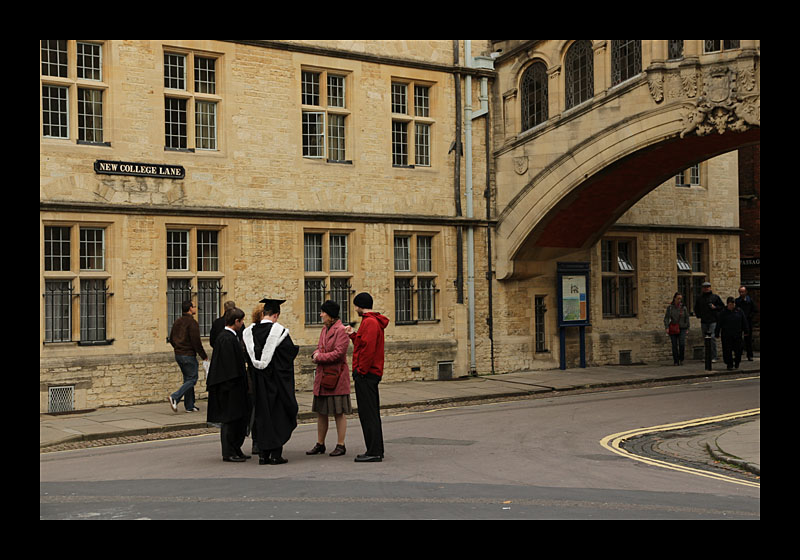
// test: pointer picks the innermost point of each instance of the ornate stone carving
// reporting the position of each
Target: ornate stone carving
(720, 97)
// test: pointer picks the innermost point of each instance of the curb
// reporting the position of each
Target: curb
(539, 390)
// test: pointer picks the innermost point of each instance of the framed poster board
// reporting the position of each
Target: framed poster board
(573, 305)
(573, 294)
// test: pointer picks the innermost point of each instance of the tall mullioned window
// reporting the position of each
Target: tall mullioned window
(618, 277)
(191, 101)
(414, 278)
(327, 270)
(75, 258)
(534, 95)
(194, 270)
(73, 90)
(579, 73)
(324, 115)
(412, 124)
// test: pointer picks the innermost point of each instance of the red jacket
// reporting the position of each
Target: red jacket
(368, 344)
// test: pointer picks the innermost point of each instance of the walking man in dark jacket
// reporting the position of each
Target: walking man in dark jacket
(749, 308)
(732, 324)
(185, 339)
(707, 307)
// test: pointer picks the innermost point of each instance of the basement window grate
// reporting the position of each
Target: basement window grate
(61, 399)
(625, 358)
(445, 370)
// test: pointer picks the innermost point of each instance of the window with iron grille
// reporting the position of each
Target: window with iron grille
(194, 274)
(178, 291)
(579, 73)
(327, 275)
(415, 278)
(80, 253)
(534, 95)
(324, 116)
(626, 60)
(93, 310)
(209, 294)
(57, 311)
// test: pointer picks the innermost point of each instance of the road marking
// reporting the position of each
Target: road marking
(614, 443)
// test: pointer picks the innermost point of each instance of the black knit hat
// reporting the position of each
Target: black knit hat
(331, 308)
(363, 300)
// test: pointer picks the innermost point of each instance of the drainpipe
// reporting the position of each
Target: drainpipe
(459, 282)
(469, 116)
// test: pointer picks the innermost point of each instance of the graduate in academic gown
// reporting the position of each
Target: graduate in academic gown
(271, 354)
(228, 403)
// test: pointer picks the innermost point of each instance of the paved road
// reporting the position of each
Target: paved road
(532, 459)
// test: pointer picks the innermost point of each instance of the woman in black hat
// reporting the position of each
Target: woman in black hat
(331, 380)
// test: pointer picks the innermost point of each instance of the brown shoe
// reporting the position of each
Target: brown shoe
(318, 449)
(339, 451)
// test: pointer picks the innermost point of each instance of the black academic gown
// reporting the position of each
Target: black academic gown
(274, 399)
(227, 381)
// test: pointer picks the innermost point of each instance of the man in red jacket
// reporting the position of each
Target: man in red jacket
(367, 373)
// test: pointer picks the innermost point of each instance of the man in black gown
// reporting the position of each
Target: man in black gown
(271, 354)
(227, 388)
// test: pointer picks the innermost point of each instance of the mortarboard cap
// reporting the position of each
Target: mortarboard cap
(273, 305)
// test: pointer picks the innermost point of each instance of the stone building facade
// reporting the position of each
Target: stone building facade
(219, 170)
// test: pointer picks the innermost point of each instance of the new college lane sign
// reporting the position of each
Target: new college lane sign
(157, 170)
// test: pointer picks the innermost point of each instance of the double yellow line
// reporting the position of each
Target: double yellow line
(614, 443)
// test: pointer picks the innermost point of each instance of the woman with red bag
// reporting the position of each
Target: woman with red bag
(676, 321)
(331, 380)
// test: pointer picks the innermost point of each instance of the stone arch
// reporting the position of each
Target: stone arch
(569, 204)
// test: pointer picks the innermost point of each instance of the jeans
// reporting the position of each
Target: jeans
(708, 330)
(678, 346)
(188, 365)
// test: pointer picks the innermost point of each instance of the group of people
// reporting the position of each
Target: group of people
(250, 379)
(732, 322)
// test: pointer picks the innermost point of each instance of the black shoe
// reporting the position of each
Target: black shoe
(271, 461)
(234, 459)
(368, 458)
(339, 451)
(318, 449)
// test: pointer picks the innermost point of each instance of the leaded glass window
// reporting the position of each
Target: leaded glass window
(579, 70)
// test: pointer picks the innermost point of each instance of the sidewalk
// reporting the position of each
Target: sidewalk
(742, 442)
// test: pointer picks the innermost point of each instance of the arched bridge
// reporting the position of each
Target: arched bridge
(587, 128)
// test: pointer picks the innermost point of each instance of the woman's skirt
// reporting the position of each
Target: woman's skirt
(333, 404)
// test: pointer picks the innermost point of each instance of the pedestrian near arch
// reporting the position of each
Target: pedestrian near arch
(676, 321)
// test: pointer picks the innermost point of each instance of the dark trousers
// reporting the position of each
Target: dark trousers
(232, 436)
(748, 342)
(732, 350)
(369, 411)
